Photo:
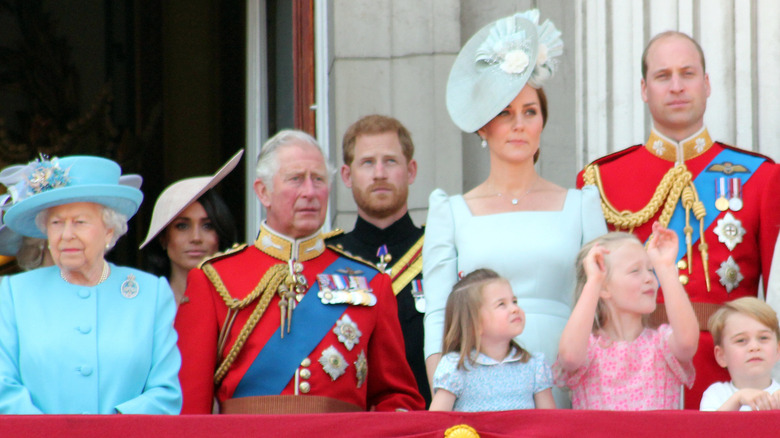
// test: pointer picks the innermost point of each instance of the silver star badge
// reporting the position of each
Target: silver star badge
(347, 332)
(730, 231)
(729, 274)
(333, 362)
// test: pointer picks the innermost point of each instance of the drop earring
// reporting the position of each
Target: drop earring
(484, 143)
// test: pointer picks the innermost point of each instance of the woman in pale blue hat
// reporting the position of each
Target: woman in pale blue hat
(517, 223)
(83, 336)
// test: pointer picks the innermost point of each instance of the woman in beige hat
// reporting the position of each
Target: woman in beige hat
(192, 222)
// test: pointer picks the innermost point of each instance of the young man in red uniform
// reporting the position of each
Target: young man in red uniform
(287, 325)
(721, 200)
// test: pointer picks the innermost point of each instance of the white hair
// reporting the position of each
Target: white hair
(268, 160)
(112, 219)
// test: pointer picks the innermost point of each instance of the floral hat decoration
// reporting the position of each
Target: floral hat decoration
(45, 183)
(496, 63)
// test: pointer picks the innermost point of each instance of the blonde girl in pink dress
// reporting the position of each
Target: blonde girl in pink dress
(607, 355)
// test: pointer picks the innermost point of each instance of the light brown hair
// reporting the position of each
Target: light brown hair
(748, 306)
(670, 33)
(376, 124)
(461, 317)
(609, 241)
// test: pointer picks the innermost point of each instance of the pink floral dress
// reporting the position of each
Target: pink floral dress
(628, 376)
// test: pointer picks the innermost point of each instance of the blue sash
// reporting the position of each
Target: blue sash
(705, 186)
(276, 363)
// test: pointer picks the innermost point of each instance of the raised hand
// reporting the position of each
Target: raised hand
(663, 246)
(594, 264)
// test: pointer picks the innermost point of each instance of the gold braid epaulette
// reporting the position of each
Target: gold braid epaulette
(267, 287)
(676, 183)
(667, 193)
(351, 256)
(218, 255)
(332, 233)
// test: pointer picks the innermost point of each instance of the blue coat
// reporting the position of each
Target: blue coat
(67, 349)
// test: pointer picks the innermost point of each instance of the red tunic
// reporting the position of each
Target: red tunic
(389, 384)
(630, 178)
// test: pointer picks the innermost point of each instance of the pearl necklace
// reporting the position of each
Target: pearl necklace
(103, 275)
(516, 200)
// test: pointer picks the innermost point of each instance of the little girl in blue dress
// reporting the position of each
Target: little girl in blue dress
(482, 367)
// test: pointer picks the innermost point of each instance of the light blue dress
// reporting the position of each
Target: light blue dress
(534, 250)
(489, 385)
(67, 349)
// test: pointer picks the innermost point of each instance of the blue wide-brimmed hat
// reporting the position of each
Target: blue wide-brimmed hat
(49, 183)
(496, 63)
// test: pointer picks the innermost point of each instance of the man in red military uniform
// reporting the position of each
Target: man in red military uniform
(721, 200)
(287, 325)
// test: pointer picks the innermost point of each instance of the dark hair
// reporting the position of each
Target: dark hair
(376, 124)
(157, 261)
(543, 105)
(670, 33)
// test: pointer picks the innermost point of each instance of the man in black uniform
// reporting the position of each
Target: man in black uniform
(378, 167)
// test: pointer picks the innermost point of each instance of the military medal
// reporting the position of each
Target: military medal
(722, 204)
(730, 275)
(735, 201)
(129, 287)
(340, 289)
(419, 297)
(333, 362)
(730, 231)
(361, 368)
(347, 332)
(384, 259)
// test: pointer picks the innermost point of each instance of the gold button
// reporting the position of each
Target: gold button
(684, 279)
(304, 387)
(682, 264)
(305, 373)
(306, 362)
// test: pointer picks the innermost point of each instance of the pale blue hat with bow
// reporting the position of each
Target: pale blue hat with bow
(46, 183)
(496, 63)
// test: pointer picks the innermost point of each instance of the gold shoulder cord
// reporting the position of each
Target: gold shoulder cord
(408, 268)
(676, 183)
(267, 287)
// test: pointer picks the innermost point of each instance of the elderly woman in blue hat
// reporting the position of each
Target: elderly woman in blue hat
(83, 336)
(515, 222)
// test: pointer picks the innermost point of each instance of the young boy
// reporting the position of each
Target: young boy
(745, 333)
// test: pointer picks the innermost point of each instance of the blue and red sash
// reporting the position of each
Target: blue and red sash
(705, 181)
(275, 364)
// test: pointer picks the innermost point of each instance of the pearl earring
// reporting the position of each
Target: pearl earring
(484, 143)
